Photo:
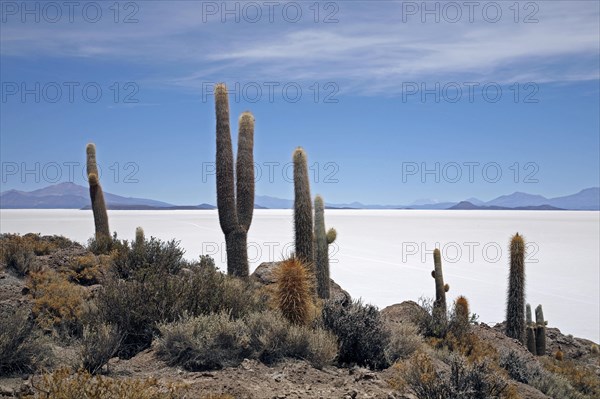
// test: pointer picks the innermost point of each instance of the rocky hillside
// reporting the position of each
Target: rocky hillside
(524, 375)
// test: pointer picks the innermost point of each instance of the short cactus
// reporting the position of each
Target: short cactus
(515, 309)
(559, 355)
(303, 217)
(97, 196)
(293, 291)
(139, 237)
(331, 235)
(540, 331)
(322, 241)
(461, 316)
(439, 306)
(235, 197)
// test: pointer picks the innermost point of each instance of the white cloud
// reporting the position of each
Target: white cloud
(370, 50)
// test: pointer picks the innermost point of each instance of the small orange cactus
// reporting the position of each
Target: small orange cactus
(293, 292)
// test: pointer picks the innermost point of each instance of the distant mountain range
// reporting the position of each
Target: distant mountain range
(73, 196)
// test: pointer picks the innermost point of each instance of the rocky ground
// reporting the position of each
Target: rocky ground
(287, 379)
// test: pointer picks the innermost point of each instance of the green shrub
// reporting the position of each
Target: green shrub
(99, 344)
(135, 306)
(153, 256)
(360, 331)
(21, 349)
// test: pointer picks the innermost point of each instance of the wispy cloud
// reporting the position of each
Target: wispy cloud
(370, 50)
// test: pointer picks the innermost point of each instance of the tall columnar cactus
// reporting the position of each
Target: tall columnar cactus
(540, 331)
(97, 196)
(235, 211)
(303, 218)
(322, 241)
(439, 306)
(515, 308)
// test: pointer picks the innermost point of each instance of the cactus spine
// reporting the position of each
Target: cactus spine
(528, 318)
(235, 212)
(439, 306)
(97, 196)
(540, 331)
(303, 218)
(515, 309)
(322, 241)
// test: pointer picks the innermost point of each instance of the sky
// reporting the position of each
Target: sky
(394, 101)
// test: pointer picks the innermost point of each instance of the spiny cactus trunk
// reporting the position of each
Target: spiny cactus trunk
(303, 219)
(531, 345)
(540, 340)
(245, 171)
(439, 306)
(515, 309)
(528, 318)
(235, 217)
(97, 196)
(224, 168)
(237, 253)
(540, 331)
(321, 251)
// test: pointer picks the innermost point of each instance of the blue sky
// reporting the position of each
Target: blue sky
(370, 133)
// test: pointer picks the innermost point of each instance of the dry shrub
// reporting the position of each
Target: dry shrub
(216, 340)
(63, 384)
(87, 269)
(360, 331)
(582, 378)
(553, 380)
(404, 341)
(57, 303)
(136, 307)
(465, 380)
(21, 348)
(469, 345)
(99, 344)
(17, 254)
(293, 292)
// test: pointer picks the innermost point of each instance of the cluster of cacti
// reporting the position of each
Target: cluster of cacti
(439, 306)
(515, 311)
(293, 292)
(540, 331)
(235, 189)
(536, 331)
(97, 196)
(322, 239)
